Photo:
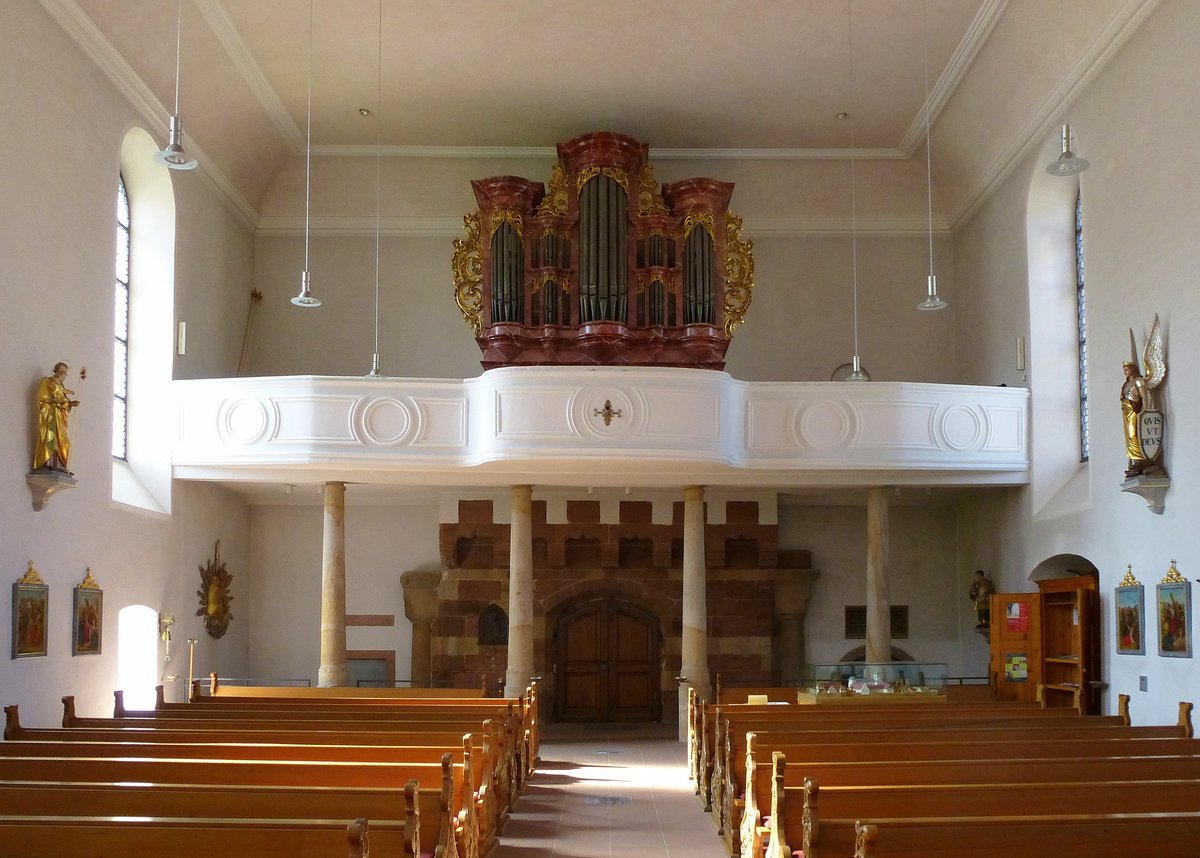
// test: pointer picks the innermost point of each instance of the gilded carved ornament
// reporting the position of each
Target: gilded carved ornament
(1173, 576)
(739, 274)
(88, 582)
(501, 216)
(556, 202)
(31, 576)
(1129, 580)
(666, 281)
(541, 280)
(695, 219)
(467, 268)
(650, 201)
(588, 173)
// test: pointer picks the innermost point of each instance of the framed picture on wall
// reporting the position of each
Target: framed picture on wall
(1130, 605)
(1174, 615)
(87, 632)
(30, 613)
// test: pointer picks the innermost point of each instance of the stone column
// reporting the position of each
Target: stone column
(333, 589)
(420, 606)
(520, 594)
(695, 605)
(793, 588)
(879, 609)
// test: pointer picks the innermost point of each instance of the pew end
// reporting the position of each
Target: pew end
(12, 723)
(356, 837)
(865, 836)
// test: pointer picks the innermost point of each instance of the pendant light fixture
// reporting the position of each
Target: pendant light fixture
(857, 373)
(174, 157)
(306, 298)
(932, 301)
(375, 371)
(1070, 162)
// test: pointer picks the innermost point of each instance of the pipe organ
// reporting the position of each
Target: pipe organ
(604, 267)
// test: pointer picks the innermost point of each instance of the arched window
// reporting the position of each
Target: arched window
(137, 655)
(1081, 324)
(143, 328)
(121, 325)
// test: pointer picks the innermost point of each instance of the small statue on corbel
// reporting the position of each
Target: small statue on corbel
(1144, 422)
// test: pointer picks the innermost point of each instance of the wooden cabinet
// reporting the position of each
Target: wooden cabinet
(1048, 639)
(1070, 656)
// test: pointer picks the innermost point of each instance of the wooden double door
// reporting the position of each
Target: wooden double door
(607, 663)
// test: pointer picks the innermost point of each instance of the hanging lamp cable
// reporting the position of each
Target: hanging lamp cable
(375, 370)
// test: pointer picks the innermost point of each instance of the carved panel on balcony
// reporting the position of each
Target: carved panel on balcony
(605, 267)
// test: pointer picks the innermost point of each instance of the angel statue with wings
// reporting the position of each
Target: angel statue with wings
(1144, 421)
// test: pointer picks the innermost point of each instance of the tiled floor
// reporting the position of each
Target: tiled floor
(608, 790)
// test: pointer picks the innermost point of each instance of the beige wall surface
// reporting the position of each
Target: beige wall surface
(1135, 122)
(60, 138)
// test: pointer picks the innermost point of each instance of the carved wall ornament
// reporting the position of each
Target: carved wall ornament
(215, 581)
(1173, 576)
(31, 576)
(739, 274)
(650, 201)
(467, 268)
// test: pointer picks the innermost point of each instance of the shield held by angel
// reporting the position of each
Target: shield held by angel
(1145, 423)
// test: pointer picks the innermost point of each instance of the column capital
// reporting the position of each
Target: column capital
(693, 493)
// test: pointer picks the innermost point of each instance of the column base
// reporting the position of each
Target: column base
(332, 677)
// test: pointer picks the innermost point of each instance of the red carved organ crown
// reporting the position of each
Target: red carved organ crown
(605, 268)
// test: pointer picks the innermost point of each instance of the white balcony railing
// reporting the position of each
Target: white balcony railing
(600, 426)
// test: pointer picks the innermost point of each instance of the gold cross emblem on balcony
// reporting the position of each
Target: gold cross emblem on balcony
(607, 412)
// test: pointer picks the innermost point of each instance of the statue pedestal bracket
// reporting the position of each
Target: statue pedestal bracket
(1151, 487)
(45, 483)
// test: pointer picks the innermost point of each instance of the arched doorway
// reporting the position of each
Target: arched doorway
(606, 660)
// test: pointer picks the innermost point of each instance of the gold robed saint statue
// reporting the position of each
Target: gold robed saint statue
(52, 449)
(1143, 421)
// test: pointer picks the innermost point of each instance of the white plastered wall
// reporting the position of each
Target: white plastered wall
(1135, 123)
(61, 127)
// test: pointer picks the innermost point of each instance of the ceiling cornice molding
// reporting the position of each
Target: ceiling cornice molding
(452, 227)
(972, 43)
(1034, 133)
(227, 34)
(76, 23)
(548, 153)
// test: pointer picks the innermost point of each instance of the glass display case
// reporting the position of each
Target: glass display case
(857, 681)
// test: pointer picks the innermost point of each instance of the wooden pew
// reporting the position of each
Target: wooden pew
(528, 704)
(421, 811)
(488, 814)
(717, 721)
(449, 782)
(506, 770)
(733, 798)
(729, 768)
(920, 771)
(1086, 835)
(808, 809)
(46, 836)
(961, 830)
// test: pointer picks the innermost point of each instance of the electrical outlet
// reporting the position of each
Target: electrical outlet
(1143, 683)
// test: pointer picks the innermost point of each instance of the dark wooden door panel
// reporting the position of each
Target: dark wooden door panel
(607, 663)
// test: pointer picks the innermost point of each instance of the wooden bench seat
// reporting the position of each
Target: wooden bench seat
(430, 815)
(489, 813)
(46, 836)
(731, 775)
(809, 806)
(519, 741)
(445, 777)
(526, 706)
(718, 721)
